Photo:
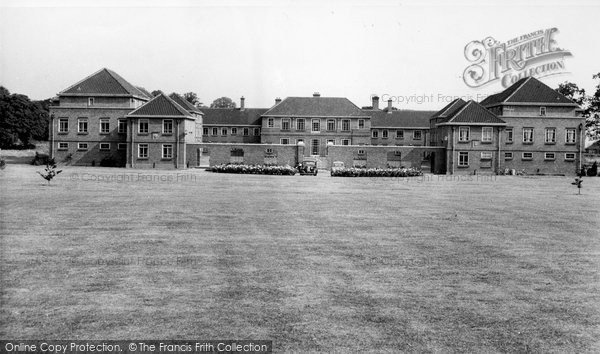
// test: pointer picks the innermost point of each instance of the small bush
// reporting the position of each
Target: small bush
(255, 169)
(593, 171)
(376, 172)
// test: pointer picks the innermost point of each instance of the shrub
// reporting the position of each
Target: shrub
(255, 169)
(376, 172)
(42, 159)
(593, 171)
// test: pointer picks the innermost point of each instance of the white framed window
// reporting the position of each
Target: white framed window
(143, 126)
(82, 146)
(270, 123)
(314, 147)
(284, 141)
(167, 126)
(167, 151)
(374, 133)
(527, 135)
(246, 131)
(570, 156)
(205, 131)
(399, 134)
(299, 141)
(542, 111)
(104, 146)
(508, 155)
(104, 126)
(256, 131)
(122, 126)
(332, 141)
(90, 101)
(345, 141)
(63, 146)
(223, 131)
(346, 125)
(233, 131)
(417, 134)
(82, 125)
(527, 156)
(509, 135)
(330, 125)
(142, 151)
(361, 124)
(285, 124)
(463, 133)
(550, 136)
(300, 124)
(549, 156)
(122, 146)
(63, 125)
(215, 131)
(486, 134)
(463, 158)
(486, 155)
(384, 134)
(316, 125)
(570, 136)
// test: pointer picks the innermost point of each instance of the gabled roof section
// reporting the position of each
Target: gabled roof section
(235, 116)
(184, 103)
(315, 107)
(104, 83)
(473, 113)
(527, 90)
(399, 119)
(450, 108)
(161, 106)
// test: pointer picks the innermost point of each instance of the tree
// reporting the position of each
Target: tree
(192, 98)
(589, 104)
(155, 93)
(223, 102)
(22, 119)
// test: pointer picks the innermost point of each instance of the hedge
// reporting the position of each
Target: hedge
(376, 172)
(255, 169)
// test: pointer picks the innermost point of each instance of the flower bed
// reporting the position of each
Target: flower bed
(376, 172)
(255, 169)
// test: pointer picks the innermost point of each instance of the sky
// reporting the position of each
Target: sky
(410, 51)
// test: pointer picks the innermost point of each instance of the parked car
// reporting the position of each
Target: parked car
(308, 167)
(337, 166)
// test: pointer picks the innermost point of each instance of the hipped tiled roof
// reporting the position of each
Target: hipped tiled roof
(161, 106)
(315, 107)
(104, 82)
(472, 112)
(527, 90)
(399, 118)
(235, 116)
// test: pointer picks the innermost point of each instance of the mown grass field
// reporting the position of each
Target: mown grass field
(510, 264)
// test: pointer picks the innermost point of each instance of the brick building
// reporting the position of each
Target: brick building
(232, 125)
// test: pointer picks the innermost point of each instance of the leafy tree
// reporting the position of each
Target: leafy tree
(192, 98)
(589, 104)
(156, 93)
(223, 102)
(22, 119)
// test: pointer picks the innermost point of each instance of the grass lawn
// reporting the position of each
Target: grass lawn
(443, 264)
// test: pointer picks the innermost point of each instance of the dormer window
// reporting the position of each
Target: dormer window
(91, 101)
(542, 111)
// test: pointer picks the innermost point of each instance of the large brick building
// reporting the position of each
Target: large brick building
(104, 120)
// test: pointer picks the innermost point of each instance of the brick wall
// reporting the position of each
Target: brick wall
(254, 154)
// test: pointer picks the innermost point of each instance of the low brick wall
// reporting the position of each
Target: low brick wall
(251, 154)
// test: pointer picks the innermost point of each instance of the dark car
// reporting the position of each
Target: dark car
(308, 167)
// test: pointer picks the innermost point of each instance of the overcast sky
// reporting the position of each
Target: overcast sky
(268, 49)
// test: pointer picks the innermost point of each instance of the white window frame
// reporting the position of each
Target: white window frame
(385, 134)
(215, 131)
(330, 141)
(91, 101)
(284, 141)
(205, 131)
(345, 125)
(60, 126)
(167, 151)
(315, 147)
(101, 123)
(345, 142)
(63, 146)
(224, 131)
(543, 111)
(487, 134)
(299, 140)
(246, 132)
(81, 121)
(552, 137)
(419, 133)
(107, 146)
(574, 134)
(146, 124)
(122, 123)
(270, 122)
(164, 126)
(374, 133)
(567, 158)
(486, 155)
(140, 155)
(463, 162)
(400, 134)
(256, 131)
(300, 124)
(523, 157)
(525, 137)
(361, 124)
(508, 155)
(82, 146)
(330, 125)
(549, 156)
(233, 131)
(315, 123)
(510, 135)
(284, 122)
(466, 136)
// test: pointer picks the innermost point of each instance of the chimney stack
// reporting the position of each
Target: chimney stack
(316, 94)
(375, 100)
(390, 105)
(242, 99)
(277, 101)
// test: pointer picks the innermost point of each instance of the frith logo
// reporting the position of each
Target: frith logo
(533, 54)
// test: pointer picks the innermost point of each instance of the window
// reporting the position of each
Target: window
(375, 133)
(300, 124)
(256, 131)
(285, 124)
(463, 159)
(330, 125)
(143, 126)
(570, 136)
(399, 134)
(82, 146)
(384, 134)
(223, 131)
(246, 132)
(361, 124)
(284, 141)
(299, 141)
(82, 125)
(167, 151)
(104, 146)
(509, 135)
(233, 131)
(167, 126)
(104, 126)
(345, 125)
(205, 131)
(314, 147)
(122, 126)
(91, 101)
(332, 141)
(63, 125)
(463, 133)
(486, 134)
(215, 131)
(508, 155)
(527, 135)
(417, 135)
(550, 135)
(549, 156)
(63, 146)
(345, 141)
(269, 150)
(542, 111)
(143, 151)
(316, 125)
(270, 123)
(486, 155)
(570, 156)
(361, 152)
(527, 156)
(122, 146)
